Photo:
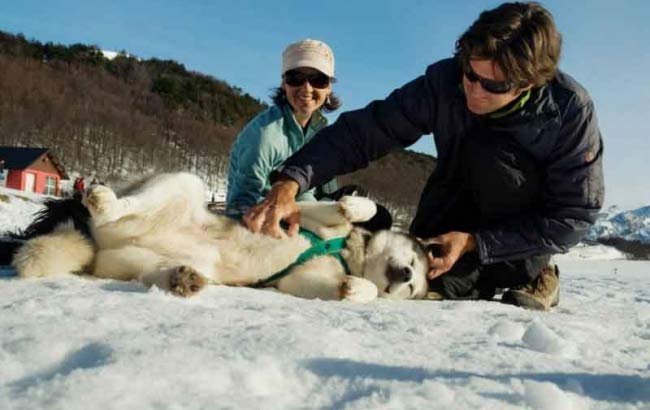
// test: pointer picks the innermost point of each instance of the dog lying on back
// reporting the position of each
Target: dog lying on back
(159, 232)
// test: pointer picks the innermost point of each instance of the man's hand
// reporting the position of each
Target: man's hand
(450, 246)
(279, 204)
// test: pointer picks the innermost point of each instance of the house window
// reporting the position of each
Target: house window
(50, 185)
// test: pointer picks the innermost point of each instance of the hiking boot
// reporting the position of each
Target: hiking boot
(541, 294)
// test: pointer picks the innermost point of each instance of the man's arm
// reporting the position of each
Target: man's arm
(573, 194)
(364, 135)
(355, 139)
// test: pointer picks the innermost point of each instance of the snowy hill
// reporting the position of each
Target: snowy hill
(630, 225)
(75, 343)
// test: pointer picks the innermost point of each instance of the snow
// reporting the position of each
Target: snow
(110, 54)
(584, 251)
(77, 343)
(17, 208)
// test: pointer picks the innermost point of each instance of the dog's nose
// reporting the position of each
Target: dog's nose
(399, 274)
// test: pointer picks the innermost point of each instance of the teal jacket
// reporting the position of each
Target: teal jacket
(261, 147)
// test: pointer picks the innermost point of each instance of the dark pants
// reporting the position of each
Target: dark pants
(500, 181)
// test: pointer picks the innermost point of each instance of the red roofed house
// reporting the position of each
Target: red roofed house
(31, 170)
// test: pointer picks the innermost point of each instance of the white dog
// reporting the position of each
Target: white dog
(160, 233)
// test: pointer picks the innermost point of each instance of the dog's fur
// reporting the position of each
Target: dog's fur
(160, 233)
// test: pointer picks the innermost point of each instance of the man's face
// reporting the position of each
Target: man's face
(479, 100)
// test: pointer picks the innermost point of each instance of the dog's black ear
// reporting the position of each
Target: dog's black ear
(435, 249)
(382, 220)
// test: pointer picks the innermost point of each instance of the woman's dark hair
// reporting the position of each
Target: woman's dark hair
(520, 37)
(332, 103)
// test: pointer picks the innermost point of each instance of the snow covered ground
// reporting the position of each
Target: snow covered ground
(77, 343)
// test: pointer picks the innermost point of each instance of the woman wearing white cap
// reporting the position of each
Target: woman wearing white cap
(282, 129)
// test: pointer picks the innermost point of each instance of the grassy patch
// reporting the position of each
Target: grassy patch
(4, 198)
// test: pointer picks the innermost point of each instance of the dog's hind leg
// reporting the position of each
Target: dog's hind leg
(182, 280)
(324, 278)
(185, 191)
(150, 268)
(126, 263)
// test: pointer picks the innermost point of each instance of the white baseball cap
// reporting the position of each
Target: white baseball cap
(309, 53)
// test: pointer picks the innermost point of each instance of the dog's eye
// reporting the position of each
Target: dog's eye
(413, 261)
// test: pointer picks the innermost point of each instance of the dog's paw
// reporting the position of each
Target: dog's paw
(185, 281)
(358, 290)
(101, 202)
(357, 209)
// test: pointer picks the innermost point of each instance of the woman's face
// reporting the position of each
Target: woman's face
(301, 85)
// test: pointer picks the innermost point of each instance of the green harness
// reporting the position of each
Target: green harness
(319, 247)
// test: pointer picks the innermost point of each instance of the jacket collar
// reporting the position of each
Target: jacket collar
(317, 121)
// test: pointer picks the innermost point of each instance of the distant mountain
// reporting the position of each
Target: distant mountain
(630, 225)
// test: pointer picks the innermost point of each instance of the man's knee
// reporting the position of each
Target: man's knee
(515, 273)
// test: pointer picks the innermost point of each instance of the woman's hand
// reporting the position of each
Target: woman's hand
(449, 247)
(279, 205)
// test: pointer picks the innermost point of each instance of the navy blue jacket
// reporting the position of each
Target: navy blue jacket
(557, 126)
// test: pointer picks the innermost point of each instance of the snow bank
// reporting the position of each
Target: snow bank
(548, 396)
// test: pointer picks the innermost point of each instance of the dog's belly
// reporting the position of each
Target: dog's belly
(247, 258)
(184, 246)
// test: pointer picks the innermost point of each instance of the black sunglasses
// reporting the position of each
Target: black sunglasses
(491, 86)
(296, 78)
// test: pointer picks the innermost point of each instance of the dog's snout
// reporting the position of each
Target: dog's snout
(399, 274)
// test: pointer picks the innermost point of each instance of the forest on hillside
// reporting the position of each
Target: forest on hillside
(122, 117)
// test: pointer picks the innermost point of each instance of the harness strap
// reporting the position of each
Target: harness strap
(318, 247)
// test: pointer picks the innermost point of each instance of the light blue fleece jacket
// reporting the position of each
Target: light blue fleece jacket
(261, 147)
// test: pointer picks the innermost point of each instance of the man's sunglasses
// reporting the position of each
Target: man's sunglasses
(296, 78)
(491, 86)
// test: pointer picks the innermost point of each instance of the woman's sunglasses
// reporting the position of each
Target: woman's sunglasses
(491, 86)
(296, 78)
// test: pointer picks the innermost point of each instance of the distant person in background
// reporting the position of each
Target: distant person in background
(79, 186)
(282, 129)
(2, 172)
(519, 174)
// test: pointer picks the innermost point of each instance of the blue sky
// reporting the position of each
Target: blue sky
(378, 45)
